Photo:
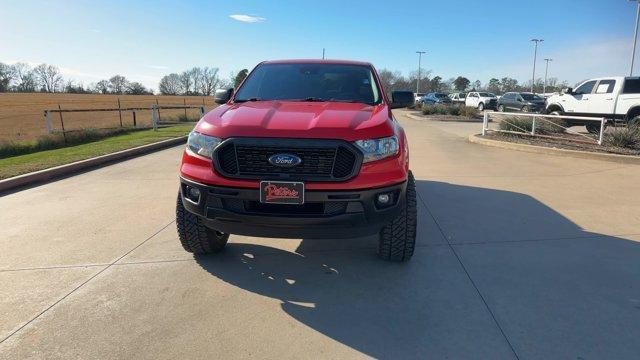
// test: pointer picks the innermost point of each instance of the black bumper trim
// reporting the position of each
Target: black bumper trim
(359, 216)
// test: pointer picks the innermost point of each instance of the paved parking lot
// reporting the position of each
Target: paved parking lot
(519, 256)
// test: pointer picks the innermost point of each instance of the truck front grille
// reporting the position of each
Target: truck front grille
(322, 160)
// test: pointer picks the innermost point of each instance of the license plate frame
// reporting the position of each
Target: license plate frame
(282, 192)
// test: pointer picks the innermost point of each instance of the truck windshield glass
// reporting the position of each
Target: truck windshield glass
(310, 82)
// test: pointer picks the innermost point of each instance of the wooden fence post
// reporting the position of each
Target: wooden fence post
(47, 121)
(64, 136)
(154, 117)
(158, 105)
(120, 112)
(184, 101)
(202, 111)
(134, 118)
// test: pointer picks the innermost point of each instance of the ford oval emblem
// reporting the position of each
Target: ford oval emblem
(284, 160)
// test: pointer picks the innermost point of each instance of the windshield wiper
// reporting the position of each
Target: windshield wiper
(352, 101)
(249, 99)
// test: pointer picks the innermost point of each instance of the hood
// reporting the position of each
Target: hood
(328, 120)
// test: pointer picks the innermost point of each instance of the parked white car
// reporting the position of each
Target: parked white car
(417, 97)
(481, 100)
(614, 98)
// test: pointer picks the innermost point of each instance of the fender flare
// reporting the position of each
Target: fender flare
(635, 110)
(554, 105)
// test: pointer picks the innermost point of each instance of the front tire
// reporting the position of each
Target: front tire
(525, 109)
(481, 107)
(500, 108)
(194, 236)
(398, 238)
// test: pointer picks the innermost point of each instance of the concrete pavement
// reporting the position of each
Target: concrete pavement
(519, 256)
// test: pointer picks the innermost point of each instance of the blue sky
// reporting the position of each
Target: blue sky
(143, 40)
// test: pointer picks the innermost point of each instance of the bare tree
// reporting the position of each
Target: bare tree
(6, 76)
(170, 84)
(135, 88)
(49, 77)
(197, 78)
(186, 82)
(210, 81)
(117, 84)
(25, 78)
(101, 87)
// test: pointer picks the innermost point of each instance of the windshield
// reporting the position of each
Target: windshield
(484, 94)
(440, 95)
(531, 97)
(310, 82)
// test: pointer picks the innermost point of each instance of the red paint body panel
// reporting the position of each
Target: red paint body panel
(316, 120)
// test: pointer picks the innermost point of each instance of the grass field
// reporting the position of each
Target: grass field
(22, 115)
(23, 164)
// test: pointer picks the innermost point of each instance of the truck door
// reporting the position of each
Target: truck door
(578, 101)
(472, 99)
(601, 101)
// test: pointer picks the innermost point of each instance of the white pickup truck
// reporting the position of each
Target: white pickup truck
(481, 100)
(614, 98)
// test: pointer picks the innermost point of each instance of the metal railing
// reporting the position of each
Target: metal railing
(546, 119)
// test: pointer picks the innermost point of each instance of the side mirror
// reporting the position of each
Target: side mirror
(400, 99)
(222, 95)
(568, 91)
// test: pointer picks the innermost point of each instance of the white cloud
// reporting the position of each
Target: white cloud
(247, 18)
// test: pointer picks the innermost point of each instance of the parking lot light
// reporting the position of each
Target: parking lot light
(546, 71)
(419, 65)
(535, 54)
(635, 37)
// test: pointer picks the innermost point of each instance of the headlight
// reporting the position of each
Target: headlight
(201, 144)
(376, 149)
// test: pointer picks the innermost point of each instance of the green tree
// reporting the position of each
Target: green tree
(461, 83)
(240, 77)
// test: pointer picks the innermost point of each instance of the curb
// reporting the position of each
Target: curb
(46, 175)
(418, 117)
(622, 159)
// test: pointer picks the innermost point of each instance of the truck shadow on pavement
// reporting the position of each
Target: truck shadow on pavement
(508, 275)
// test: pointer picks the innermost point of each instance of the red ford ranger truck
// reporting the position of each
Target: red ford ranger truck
(302, 149)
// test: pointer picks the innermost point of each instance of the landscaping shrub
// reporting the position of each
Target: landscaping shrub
(524, 124)
(469, 112)
(428, 109)
(454, 110)
(624, 137)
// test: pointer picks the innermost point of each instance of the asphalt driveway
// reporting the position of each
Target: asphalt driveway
(519, 255)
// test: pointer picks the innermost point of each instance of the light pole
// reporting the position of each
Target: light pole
(419, 65)
(535, 54)
(546, 71)
(635, 37)
(322, 53)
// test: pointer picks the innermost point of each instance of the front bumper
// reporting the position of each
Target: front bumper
(325, 214)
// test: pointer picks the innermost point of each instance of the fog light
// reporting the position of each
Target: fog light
(384, 199)
(193, 194)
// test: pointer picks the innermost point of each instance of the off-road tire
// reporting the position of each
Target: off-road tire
(635, 121)
(481, 107)
(398, 238)
(194, 236)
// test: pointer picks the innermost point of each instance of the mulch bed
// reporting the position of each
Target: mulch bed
(560, 143)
